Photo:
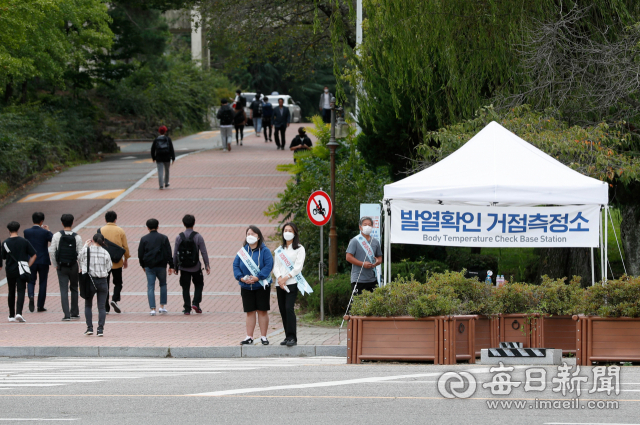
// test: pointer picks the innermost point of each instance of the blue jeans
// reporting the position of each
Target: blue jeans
(39, 271)
(152, 274)
(257, 124)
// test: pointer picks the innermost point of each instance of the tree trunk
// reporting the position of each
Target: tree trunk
(8, 93)
(568, 262)
(630, 233)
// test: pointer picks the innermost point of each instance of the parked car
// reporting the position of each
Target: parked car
(294, 107)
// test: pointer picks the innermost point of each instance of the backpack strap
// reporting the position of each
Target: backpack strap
(192, 235)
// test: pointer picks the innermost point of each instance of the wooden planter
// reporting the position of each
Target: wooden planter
(459, 339)
(487, 333)
(394, 338)
(518, 328)
(554, 332)
(607, 339)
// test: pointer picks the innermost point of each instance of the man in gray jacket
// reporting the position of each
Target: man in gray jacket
(325, 105)
(186, 256)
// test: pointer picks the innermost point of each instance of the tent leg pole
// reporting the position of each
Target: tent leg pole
(386, 242)
(606, 244)
(593, 269)
(601, 250)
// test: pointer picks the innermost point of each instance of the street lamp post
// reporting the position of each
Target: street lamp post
(333, 234)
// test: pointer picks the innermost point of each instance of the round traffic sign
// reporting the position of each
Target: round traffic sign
(319, 208)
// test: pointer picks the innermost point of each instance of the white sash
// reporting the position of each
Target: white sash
(303, 285)
(368, 252)
(251, 265)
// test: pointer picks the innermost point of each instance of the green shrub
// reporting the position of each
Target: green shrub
(418, 269)
(618, 298)
(337, 291)
(516, 298)
(559, 298)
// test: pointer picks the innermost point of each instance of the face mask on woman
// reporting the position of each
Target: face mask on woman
(288, 236)
(251, 239)
(366, 230)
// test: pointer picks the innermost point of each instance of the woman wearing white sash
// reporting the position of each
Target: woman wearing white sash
(252, 269)
(295, 254)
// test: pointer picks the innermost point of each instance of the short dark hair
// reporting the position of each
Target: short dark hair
(152, 224)
(238, 91)
(266, 99)
(13, 226)
(224, 101)
(111, 216)
(189, 221)
(37, 217)
(238, 107)
(296, 238)
(257, 232)
(363, 219)
(280, 100)
(301, 130)
(67, 220)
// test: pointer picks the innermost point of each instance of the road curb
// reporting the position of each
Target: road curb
(254, 351)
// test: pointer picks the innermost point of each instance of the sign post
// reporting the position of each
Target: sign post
(319, 210)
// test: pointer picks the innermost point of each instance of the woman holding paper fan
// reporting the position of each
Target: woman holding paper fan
(289, 260)
(252, 269)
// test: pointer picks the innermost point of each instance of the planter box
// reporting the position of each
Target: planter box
(394, 338)
(607, 339)
(487, 333)
(554, 332)
(518, 328)
(459, 338)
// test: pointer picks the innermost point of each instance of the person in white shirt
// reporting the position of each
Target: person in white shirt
(285, 279)
(98, 270)
(64, 258)
(325, 105)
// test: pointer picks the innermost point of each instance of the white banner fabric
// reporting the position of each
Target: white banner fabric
(508, 227)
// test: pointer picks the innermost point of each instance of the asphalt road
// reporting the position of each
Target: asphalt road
(281, 391)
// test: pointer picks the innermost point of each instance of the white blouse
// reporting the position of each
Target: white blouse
(296, 256)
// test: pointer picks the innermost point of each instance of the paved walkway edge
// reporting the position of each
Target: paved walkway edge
(179, 352)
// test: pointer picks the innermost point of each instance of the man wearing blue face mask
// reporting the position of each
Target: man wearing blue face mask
(365, 254)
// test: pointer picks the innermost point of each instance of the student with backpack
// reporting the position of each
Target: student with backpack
(256, 113)
(162, 154)
(116, 241)
(239, 120)
(267, 115)
(154, 254)
(64, 251)
(225, 117)
(19, 256)
(186, 257)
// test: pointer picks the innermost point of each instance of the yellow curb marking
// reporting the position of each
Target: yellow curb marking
(72, 195)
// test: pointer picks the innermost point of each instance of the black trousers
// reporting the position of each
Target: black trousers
(198, 285)
(326, 116)
(279, 134)
(239, 130)
(14, 283)
(117, 286)
(266, 124)
(39, 272)
(286, 303)
(364, 286)
(102, 291)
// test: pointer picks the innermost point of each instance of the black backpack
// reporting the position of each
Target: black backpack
(66, 254)
(188, 251)
(226, 116)
(116, 252)
(239, 118)
(162, 145)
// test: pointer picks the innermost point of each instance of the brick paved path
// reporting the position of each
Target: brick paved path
(226, 192)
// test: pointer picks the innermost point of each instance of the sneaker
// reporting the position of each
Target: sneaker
(284, 342)
(41, 309)
(161, 187)
(246, 341)
(66, 319)
(12, 319)
(240, 142)
(162, 310)
(89, 331)
(187, 312)
(291, 343)
(196, 309)
(75, 317)
(100, 332)
(167, 185)
(19, 318)
(106, 312)
(153, 312)
(225, 150)
(264, 340)
(115, 306)
(31, 305)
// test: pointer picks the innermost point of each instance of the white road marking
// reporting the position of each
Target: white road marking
(38, 419)
(129, 157)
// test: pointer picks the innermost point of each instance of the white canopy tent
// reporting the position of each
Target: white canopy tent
(497, 168)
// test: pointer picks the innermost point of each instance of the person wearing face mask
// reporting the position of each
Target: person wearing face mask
(325, 105)
(289, 261)
(252, 269)
(365, 254)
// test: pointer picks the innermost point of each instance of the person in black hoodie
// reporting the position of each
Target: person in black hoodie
(162, 154)
(154, 253)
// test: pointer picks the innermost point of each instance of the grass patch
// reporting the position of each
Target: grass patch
(313, 318)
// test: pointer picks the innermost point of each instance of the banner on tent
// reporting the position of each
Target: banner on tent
(448, 225)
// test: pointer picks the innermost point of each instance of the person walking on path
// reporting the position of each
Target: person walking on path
(240, 99)
(256, 113)
(281, 119)
(16, 250)
(98, 269)
(66, 247)
(186, 257)
(162, 154)
(39, 237)
(114, 234)
(364, 254)
(225, 117)
(293, 254)
(267, 117)
(252, 269)
(154, 254)
(239, 120)
(325, 105)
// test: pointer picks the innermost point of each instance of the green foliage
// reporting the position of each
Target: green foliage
(618, 298)
(337, 291)
(355, 184)
(417, 270)
(559, 298)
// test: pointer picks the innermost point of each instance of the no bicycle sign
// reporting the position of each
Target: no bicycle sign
(319, 208)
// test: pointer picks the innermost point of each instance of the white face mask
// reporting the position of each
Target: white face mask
(251, 239)
(326, 90)
(288, 236)
(366, 230)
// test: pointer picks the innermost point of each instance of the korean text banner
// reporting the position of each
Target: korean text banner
(448, 225)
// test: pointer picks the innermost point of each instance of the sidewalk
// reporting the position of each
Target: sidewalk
(226, 192)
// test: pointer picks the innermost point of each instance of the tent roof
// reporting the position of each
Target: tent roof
(498, 166)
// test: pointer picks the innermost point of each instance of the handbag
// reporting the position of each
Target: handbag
(23, 266)
(116, 252)
(85, 281)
